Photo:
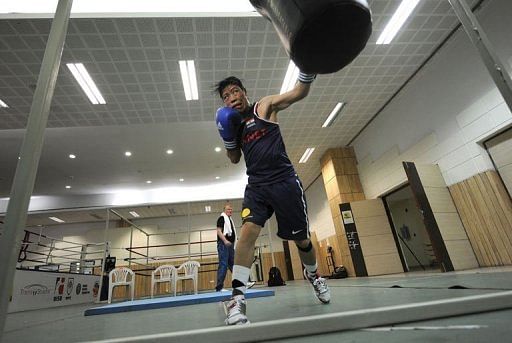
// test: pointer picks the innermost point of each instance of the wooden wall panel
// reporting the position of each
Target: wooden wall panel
(440, 200)
(373, 225)
(207, 279)
(461, 254)
(453, 222)
(500, 149)
(296, 264)
(280, 263)
(341, 256)
(374, 264)
(363, 209)
(378, 244)
(447, 217)
(342, 185)
(486, 211)
(376, 238)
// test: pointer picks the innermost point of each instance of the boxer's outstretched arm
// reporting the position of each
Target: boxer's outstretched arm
(270, 105)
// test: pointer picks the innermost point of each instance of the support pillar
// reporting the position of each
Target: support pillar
(342, 185)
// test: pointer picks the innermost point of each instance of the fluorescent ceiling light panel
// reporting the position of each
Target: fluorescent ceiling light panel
(3, 104)
(58, 220)
(113, 7)
(188, 77)
(306, 155)
(334, 114)
(397, 20)
(134, 214)
(85, 81)
(290, 78)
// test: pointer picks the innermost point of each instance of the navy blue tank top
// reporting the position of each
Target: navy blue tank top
(264, 151)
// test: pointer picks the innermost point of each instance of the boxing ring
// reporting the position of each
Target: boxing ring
(55, 272)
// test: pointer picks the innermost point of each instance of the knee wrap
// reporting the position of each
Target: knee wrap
(306, 249)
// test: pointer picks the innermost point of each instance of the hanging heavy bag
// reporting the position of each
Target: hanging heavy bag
(275, 278)
(320, 36)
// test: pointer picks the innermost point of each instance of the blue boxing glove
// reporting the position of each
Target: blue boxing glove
(228, 122)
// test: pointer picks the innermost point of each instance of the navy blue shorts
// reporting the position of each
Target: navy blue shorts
(285, 198)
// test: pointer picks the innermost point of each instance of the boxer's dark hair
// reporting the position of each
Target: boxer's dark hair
(231, 80)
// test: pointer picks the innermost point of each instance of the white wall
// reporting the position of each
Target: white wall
(452, 100)
(319, 212)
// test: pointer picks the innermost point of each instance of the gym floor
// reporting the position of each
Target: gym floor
(68, 324)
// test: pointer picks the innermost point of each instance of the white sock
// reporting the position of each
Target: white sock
(241, 274)
(311, 270)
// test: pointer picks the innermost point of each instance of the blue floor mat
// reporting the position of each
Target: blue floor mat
(181, 300)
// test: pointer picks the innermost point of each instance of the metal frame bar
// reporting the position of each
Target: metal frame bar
(496, 68)
(334, 322)
(26, 170)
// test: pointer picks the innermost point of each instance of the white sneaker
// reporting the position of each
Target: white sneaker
(250, 284)
(235, 309)
(320, 286)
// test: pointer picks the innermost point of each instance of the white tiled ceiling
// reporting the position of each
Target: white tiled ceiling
(134, 62)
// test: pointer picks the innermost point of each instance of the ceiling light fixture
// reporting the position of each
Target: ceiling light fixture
(306, 155)
(149, 181)
(334, 114)
(397, 20)
(72, 156)
(207, 208)
(68, 187)
(3, 104)
(217, 177)
(128, 153)
(169, 152)
(188, 77)
(85, 81)
(134, 214)
(58, 220)
(113, 9)
(217, 149)
(290, 78)
(181, 180)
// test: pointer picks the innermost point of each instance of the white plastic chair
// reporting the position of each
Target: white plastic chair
(164, 273)
(191, 270)
(119, 277)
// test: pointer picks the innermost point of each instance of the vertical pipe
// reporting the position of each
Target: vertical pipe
(147, 249)
(270, 245)
(188, 224)
(105, 253)
(24, 178)
(83, 257)
(201, 244)
(131, 246)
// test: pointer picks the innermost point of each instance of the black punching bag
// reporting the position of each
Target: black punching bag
(320, 36)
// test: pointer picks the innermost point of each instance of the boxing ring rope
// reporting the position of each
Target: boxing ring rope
(42, 252)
